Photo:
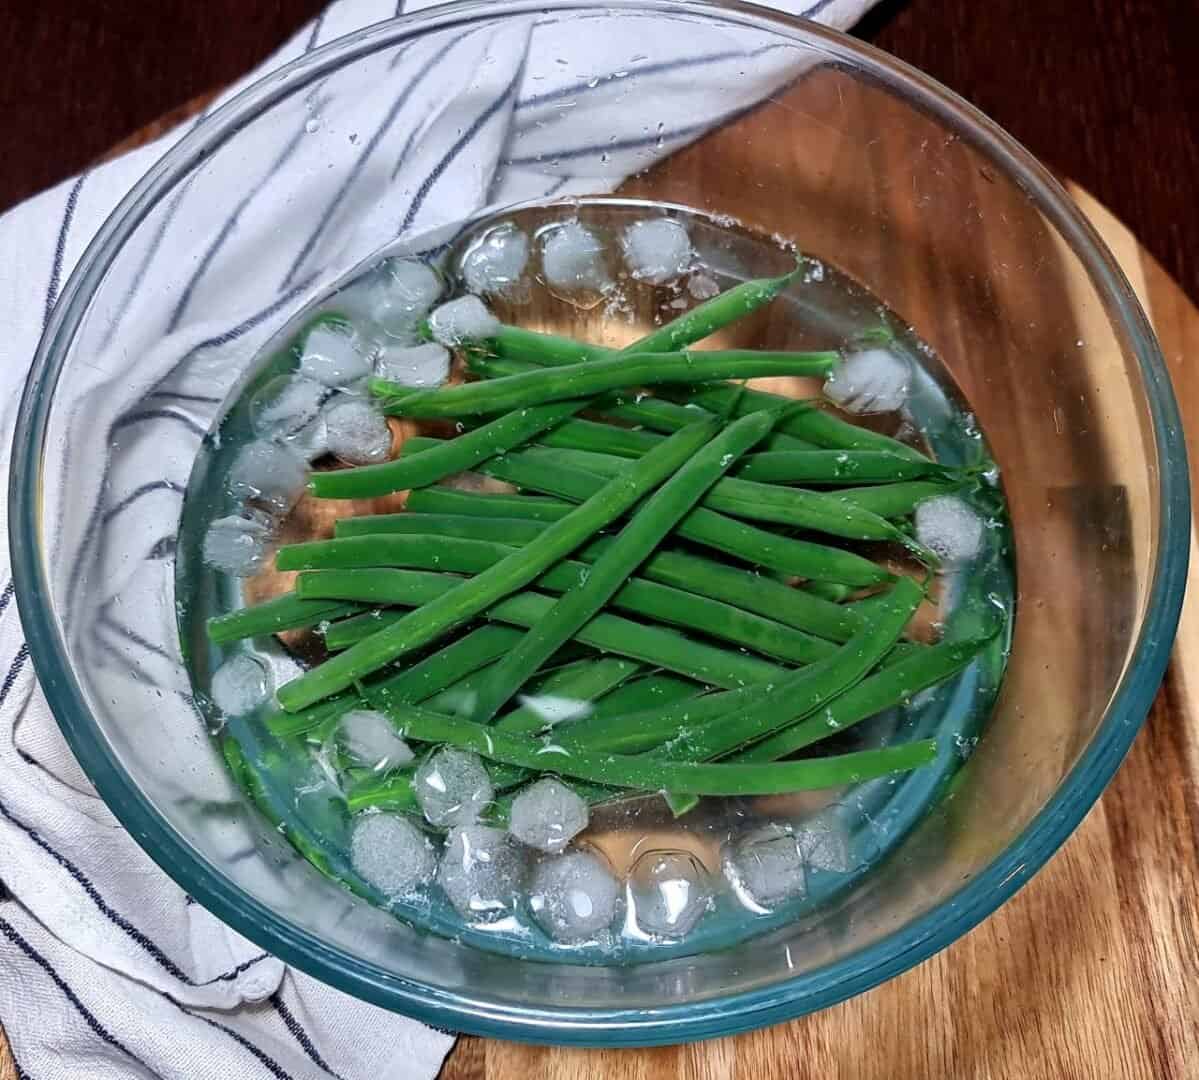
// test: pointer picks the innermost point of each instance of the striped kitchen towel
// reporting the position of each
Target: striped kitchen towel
(107, 968)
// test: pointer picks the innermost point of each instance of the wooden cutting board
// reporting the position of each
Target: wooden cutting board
(1092, 970)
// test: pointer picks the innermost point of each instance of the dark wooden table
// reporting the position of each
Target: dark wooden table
(1105, 91)
(1093, 970)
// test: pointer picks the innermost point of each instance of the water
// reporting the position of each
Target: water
(637, 884)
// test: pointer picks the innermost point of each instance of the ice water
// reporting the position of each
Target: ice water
(635, 884)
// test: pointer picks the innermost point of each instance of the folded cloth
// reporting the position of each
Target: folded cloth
(108, 969)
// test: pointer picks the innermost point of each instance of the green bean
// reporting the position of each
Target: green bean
(599, 438)
(813, 423)
(595, 377)
(646, 774)
(386, 791)
(831, 591)
(639, 729)
(835, 466)
(331, 710)
(449, 664)
(455, 700)
(442, 500)
(515, 343)
(644, 729)
(458, 455)
(649, 692)
(513, 531)
(767, 467)
(480, 592)
(588, 690)
(748, 591)
(583, 683)
(654, 413)
(653, 645)
(654, 601)
(286, 612)
(891, 686)
(798, 557)
(796, 507)
(799, 694)
(895, 500)
(346, 632)
(647, 527)
(741, 588)
(393, 789)
(417, 683)
(715, 314)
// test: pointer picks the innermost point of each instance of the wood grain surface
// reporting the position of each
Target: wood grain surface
(1093, 969)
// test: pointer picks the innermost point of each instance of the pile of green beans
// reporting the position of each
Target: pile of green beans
(687, 565)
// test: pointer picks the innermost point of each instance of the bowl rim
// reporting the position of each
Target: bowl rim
(719, 1015)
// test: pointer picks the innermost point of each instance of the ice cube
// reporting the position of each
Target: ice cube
(824, 843)
(464, 319)
(870, 381)
(370, 740)
(765, 867)
(573, 896)
(949, 527)
(497, 262)
(269, 473)
(481, 872)
(237, 544)
(572, 258)
(452, 787)
(240, 685)
(286, 404)
(656, 250)
(414, 365)
(357, 433)
(410, 288)
(668, 892)
(547, 815)
(312, 440)
(391, 853)
(334, 356)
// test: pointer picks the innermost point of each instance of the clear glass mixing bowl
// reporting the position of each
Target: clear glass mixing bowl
(788, 127)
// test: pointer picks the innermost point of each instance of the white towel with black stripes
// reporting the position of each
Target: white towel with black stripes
(107, 968)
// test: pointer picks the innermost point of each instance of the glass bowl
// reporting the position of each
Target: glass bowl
(788, 127)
